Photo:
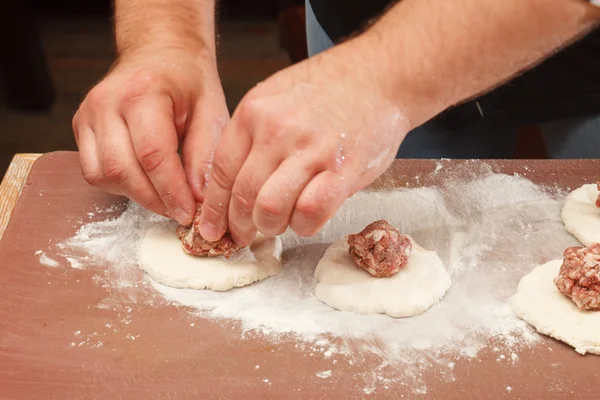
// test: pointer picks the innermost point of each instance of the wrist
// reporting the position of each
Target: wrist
(181, 28)
(198, 53)
(164, 56)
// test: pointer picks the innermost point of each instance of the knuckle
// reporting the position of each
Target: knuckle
(92, 177)
(115, 172)
(243, 202)
(305, 141)
(98, 97)
(239, 233)
(276, 128)
(272, 215)
(141, 83)
(248, 110)
(309, 208)
(219, 172)
(270, 209)
(151, 158)
(275, 132)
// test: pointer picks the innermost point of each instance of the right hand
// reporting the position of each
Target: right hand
(130, 125)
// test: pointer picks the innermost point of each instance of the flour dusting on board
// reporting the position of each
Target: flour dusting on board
(46, 260)
(489, 232)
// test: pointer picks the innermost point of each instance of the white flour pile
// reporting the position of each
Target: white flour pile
(489, 232)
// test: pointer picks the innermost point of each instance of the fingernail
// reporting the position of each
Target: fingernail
(209, 232)
(181, 216)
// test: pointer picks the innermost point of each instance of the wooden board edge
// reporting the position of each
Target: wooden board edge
(12, 185)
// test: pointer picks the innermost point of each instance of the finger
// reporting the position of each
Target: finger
(231, 152)
(154, 138)
(318, 202)
(198, 150)
(120, 168)
(88, 155)
(276, 200)
(254, 173)
(76, 125)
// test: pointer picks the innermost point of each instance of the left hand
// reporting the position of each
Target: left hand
(300, 143)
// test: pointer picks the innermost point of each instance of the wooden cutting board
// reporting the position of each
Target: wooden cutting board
(41, 308)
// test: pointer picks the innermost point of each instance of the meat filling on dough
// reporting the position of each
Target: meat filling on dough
(193, 243)
(380, 249)
(579, 276)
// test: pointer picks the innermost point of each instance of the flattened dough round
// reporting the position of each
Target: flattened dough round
(414, 289)
(163, 259)
(581, 216)
(539, 303)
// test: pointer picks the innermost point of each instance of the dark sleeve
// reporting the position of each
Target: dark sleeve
(567, 85)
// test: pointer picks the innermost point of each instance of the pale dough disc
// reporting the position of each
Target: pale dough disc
(581, 216)
(163, 259)
(539, 303)
(344, 286)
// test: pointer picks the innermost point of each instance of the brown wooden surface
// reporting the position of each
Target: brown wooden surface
(41, 308)
(12, 185)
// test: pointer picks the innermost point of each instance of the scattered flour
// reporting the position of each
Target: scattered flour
(77, 263)
(48, 261)
(477, 226)
(324, 374)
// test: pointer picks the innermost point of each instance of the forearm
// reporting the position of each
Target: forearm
(157, 25)
(434, 54)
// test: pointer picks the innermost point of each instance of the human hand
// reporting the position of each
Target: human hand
(299, 144)
(130, 125)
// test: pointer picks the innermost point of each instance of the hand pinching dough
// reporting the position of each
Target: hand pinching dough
(557, 298)
(422, 282)
(581, 214)
(164, 261)
(193, 243)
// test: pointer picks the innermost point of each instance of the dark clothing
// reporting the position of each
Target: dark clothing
(567, 85)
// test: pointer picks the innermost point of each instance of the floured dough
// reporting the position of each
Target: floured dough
(581, 216)
(162, 257)
(539, 303)
(414, 289)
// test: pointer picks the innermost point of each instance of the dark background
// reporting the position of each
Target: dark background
(52, 53)
(230, 8)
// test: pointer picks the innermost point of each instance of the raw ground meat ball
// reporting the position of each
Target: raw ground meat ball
(380, 249)
(579, 276)
(193, 243)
